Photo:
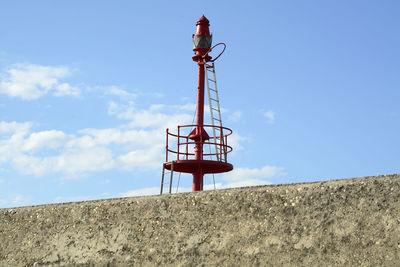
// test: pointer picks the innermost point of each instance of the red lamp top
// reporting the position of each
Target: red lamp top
(203, 26)
(202, 39)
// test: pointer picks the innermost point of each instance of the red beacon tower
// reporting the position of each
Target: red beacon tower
(188, 145)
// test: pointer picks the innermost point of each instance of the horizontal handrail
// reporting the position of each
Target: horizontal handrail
(204, 154)
(204, 126)
(182, 147)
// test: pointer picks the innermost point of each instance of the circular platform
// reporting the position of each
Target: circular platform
(208, 166)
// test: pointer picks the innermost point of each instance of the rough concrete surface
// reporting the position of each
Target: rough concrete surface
(351, 222)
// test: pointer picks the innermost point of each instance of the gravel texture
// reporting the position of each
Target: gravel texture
(351, 222)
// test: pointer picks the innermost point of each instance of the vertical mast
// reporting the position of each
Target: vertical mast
(202, 44)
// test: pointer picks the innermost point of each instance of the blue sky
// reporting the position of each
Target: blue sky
(87, 88)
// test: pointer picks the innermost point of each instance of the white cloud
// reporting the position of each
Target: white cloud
(189, 107)
(60, 199)
(29, 81)
(138, 138)
(149, 158)
(12, 136)
(148, 118)
(245, 182)
(12, 127)
(239, 177)
(88, 150)
(70, 162)
(142, 192)
(157, 107)
(159, 95)
(235, 116)
(66, 89)
(29, 165)
(270, 115)
(89, 160)
(123, 112)
(255, 173)
(114, 90)
(235, 141)
(23, 150)
(139, 143)
(250, 177)
(45, 139)
(20, 200)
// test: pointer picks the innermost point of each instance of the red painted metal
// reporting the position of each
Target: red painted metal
(224, 148)
(193, 162)
(203, 33)
(223, 50)
(186, 160)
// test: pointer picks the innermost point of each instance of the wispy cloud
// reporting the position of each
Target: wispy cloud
(239, 177)
(45, 139)
(14, 127)
(16, 200)
(137, 142)
(251, 176)
(270, 115)
(30, 81)
(141, 192)
(60, 199)
(254, 173)
(114, 90)
(235, 116)
(154, 117)
(21, 200)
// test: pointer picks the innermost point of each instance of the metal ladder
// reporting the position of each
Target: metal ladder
(165, 171)
(213, 101)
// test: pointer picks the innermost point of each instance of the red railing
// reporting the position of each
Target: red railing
(184, 144)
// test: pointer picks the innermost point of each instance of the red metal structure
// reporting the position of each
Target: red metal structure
(191, 139)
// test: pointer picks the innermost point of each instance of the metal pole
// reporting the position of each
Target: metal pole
(198, 149)
(166, 147)
(179, 137)
(202, 40)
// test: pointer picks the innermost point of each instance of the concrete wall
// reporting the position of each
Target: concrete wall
(343, 222)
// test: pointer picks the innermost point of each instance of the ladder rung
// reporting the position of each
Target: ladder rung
(216, 100)
(212, 89)
(215, 109)
(211, 80)
(216, 119)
